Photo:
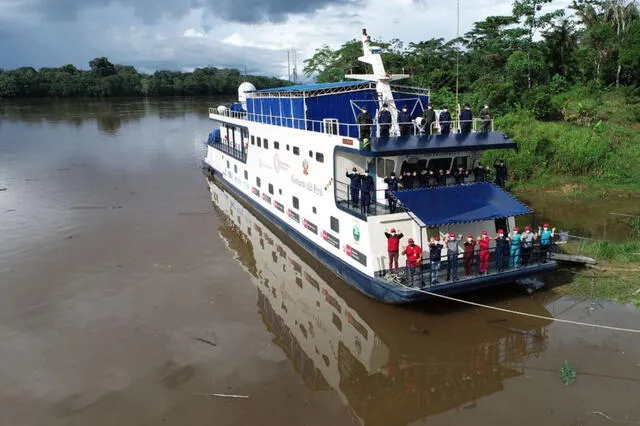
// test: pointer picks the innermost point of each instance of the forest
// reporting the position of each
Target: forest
(105, 79)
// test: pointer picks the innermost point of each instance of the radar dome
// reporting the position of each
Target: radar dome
(242, 93)
(222, 109)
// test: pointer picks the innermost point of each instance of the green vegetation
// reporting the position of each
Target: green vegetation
(564, 87)
(567, 373)
(106, 79)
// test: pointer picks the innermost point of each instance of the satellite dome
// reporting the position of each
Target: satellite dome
(242, 93)
(222, 109)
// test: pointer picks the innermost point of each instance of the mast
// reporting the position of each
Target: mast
(382, 79)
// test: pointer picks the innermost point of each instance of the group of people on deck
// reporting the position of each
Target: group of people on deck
(426, 124)
(514, 250)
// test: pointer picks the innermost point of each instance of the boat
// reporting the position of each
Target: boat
(288, 151)
(389, 365)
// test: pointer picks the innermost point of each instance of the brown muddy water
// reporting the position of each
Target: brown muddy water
(131, 287)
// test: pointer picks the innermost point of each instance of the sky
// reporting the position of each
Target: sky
(247, 34)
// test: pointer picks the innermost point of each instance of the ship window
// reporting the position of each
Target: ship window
(310, 154)
(319, 157)
(271, 189)
(246, 175)
(266, 144)
(385, 167)
(287, 147)
(228, 165)
(259, 141)
(235, 168)
(314, 210)
(296, 150)
(335, 224)
(460, 162)
(258, 182)
(330, 126)
(253, 140)
(296, 203)
(436, 164)
(276, 144)
(280, 191)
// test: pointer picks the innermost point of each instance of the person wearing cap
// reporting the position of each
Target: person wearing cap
(354, 186)
(404, 121)
(414, 255)
(515, 241)
(390, 193)
(502, 245)
(364, 122)
(479, 173)
(429, 117)
(485, 116)
(466, 119)
(467, 259)
(367, 186)
(445, 121)
(435, 256)
(452, 256)
(393, 248)
(527, 245)
(460, 175)
(441, 178)
(483, 253)
(384, 120)
(546, 236)
(501, 173)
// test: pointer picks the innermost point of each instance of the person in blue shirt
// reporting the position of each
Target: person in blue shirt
(502, 245)
(392, 188)
(546, 237)
(384, 119)
(366, 188)
(466, 119)
(404, 121)
(354, 186)
(445, 121)
(514, 256)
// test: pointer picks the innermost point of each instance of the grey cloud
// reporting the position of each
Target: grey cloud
(242, 11)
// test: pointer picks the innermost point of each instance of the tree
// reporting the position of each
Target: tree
(561, 44)
(102, 67)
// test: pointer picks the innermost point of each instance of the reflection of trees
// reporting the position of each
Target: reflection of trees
(109, 114)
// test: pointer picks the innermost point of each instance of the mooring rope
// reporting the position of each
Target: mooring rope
(510, 311)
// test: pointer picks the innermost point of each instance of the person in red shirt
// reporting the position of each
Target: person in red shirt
(483, 253)
(393, 247)
(467, 259)
(414, 255)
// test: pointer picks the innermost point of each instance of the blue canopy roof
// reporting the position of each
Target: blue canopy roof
(315, 86)
(461, 203)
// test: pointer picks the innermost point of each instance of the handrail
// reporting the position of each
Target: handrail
(345, 129)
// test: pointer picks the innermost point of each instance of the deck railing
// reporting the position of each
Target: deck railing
(236, 150)
(351, 130)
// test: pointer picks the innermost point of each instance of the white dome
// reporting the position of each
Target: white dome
(242, 93)
(222, 109)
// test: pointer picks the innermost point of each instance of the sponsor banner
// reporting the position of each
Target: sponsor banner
(331, 239)
(355, 254)
(278, 206)
(312, 281)
(293, 215)
(255, 191)
(332, 300)
(310, 226)
(347, 142)
(266, 198)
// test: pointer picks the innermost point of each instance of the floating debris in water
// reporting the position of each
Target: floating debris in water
(567, 373)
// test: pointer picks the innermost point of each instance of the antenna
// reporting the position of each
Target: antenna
(288, 65)
(457, 56)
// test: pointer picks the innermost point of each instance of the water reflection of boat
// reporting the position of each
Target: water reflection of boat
(390, 365)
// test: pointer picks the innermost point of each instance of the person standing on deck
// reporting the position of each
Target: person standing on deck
(452, 256)
(527, 245)
(393, 248)
(435, 256)
(384, 120)
(469, 248)
(354, 186)
(441, 179)
(502, 245)
(366, 188)
(460, 175)
(392, 188)
(485, 116)
(479, 173)
(404, 121)
(414, 256)
(483, 253)
(514, 256)
(445, 121)
(364, 122)
(546, 236)
(466, 119)
(429, 116)
(501, 173)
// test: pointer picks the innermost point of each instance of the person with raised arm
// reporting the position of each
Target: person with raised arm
(435, 257)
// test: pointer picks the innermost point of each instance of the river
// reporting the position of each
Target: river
(132, 289)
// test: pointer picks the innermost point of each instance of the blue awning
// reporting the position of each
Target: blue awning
(461, 203)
